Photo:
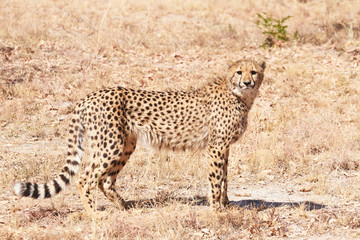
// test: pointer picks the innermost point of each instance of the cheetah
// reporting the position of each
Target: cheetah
(211, 117)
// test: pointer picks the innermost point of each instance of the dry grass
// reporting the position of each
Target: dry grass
(303, 136)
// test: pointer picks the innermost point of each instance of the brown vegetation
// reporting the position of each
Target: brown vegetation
(302, 143)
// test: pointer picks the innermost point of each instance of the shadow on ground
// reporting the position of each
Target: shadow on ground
(261, 204)
(202, 201)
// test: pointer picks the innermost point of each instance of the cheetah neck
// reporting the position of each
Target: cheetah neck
(246, 97)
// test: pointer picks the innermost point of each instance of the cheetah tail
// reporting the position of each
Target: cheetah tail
(74, 156)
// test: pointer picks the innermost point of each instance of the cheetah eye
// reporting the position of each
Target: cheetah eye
(239, 72)
(253, 72)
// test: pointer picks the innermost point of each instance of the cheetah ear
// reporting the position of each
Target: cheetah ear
(262, 64)
(230, 63)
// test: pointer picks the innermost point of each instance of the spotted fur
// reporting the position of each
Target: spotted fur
(114, 119)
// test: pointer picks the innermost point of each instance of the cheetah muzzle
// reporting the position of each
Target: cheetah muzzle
(114, 119)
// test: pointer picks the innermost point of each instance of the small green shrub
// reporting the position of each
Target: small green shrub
(273, 29)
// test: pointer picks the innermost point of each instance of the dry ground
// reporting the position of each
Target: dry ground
(295, 173)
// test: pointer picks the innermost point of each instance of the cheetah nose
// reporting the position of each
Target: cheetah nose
(247, 83)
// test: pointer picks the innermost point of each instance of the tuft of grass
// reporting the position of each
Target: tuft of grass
(274, 30)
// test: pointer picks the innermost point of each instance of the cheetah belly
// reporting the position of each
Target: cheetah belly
(178, 140)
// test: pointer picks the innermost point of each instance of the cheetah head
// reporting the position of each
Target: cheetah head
(245, 77)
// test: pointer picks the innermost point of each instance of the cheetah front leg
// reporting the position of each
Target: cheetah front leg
(217, 157)
(224, 197)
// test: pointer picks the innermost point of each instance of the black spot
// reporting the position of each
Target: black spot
(65, 179)
(57, 186)
(35, 193)
(105, 165)
(47, 191)
(27, 190)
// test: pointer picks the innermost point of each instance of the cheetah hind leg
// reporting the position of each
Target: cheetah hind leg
(105, 179)
(102, 173)
(107, 186)
(86, 188)
(111, 168)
